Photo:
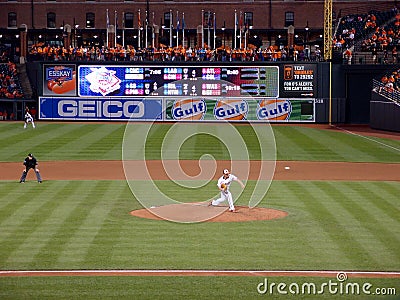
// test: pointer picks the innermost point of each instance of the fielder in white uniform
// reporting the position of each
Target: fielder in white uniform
(226, 179)
(28, 118)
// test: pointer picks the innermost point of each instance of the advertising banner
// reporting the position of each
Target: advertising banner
(101, 109)
(298, 80)
(263, 110)
(59, 80)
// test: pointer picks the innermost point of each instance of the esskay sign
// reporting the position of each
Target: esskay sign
(99, 109)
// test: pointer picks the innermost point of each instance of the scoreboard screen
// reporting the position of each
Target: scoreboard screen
(156, 81)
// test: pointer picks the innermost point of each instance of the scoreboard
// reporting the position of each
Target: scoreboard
(184, 81)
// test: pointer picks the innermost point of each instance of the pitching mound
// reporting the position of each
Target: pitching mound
(198, 212)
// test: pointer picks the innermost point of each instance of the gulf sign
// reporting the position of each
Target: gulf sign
(274, 110)
(231, 109)
(189, 109)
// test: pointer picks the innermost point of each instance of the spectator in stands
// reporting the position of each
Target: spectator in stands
(9, 84)
(347, 55)
(394, 55)
(374, 53)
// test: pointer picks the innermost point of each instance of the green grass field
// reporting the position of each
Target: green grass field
(62, 225)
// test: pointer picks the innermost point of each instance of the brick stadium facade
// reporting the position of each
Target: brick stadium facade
(84, 22)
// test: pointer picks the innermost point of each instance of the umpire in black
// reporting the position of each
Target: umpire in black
(30, 162)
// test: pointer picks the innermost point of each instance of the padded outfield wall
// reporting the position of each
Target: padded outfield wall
(257, 92)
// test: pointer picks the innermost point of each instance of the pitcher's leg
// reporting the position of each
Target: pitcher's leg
(219, 200)
(230, 201)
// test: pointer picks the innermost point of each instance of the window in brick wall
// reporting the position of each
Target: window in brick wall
(12, 19)
(167, 19)
(51, 20)
(128, 20)
(208, 19)
(248, 18)
(90, 18)
(289, 18)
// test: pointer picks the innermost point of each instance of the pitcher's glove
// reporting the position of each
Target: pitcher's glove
(224, 187)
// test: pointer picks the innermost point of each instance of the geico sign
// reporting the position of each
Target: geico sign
(98, 109)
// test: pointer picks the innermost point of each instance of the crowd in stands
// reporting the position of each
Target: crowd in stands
(391, 81)
(129, 53)
(5, 54)
(10, 87)
(376, 32)
(5, 115)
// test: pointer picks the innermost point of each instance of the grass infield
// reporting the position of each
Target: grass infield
(86, 224)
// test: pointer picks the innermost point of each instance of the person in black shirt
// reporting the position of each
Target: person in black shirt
(30, 162)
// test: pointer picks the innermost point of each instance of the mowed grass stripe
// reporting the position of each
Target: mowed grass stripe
(75, 251)
(393, 189)
(19, 205)
(91, 141)
(308, 235)
(118, 231)
(37, 142)
(337, 233)
(8, 129)
(105, 140)
(53, 145)
(374, 219)
(73, 141)
(306, 222)
(286, 147)
(249, 135)
(389, 203)
(345, 146)
(25, 219)
(182, 287)
(153, 139)
(360, 223)
(69, 224)
(7, 188)
(52, 218)
(316, 147)
(379, 203)
(16, 131)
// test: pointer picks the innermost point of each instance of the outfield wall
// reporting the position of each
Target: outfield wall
(385, 114)
(172, 109)
(273, 92)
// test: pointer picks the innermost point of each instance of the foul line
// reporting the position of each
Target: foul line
(367, 138)
(259, 273)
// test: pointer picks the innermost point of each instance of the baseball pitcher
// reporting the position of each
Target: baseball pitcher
(223, 185)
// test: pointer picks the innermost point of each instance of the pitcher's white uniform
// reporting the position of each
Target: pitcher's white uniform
(226, 179)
